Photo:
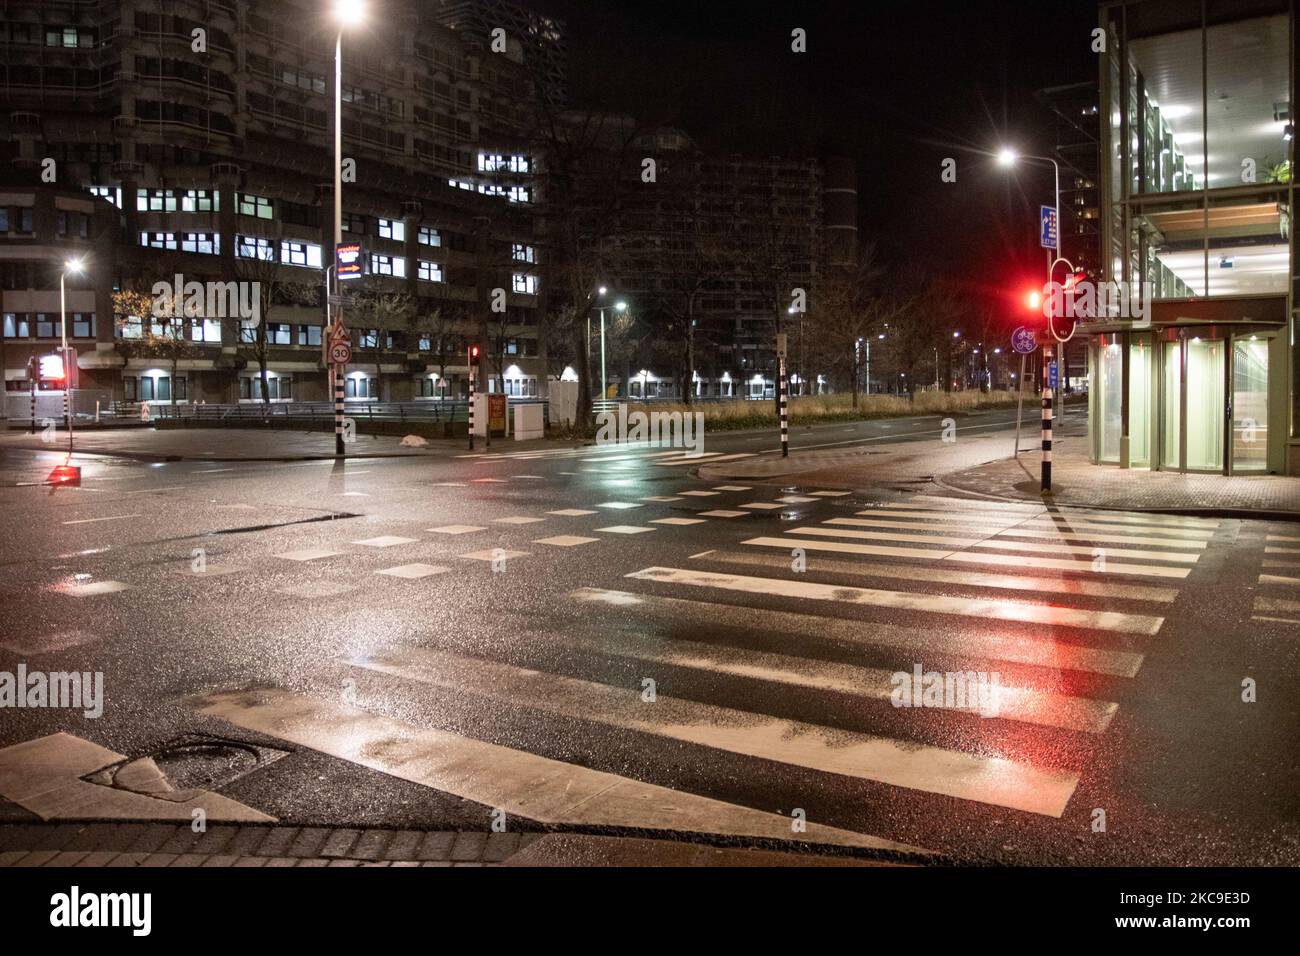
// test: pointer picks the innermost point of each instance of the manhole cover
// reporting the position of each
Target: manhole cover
(189, 762)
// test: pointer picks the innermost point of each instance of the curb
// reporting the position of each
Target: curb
(1254, 514)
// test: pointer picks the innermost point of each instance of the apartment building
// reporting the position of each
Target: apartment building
(195, 137)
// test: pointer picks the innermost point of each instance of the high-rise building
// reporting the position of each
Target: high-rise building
(202, 130)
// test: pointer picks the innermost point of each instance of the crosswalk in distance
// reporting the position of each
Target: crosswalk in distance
(1278, 600)
(1064, 603)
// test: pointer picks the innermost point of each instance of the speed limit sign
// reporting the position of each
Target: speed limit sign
(340, 353)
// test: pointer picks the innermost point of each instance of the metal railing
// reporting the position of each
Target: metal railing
(288, 413)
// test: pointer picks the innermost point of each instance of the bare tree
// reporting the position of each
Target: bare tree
(162, 331)
(259, 264)
(382, 313)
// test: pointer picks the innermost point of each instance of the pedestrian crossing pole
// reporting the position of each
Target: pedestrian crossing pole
(337, 370)
(782, 394)
(471, 362)
(1045, 483)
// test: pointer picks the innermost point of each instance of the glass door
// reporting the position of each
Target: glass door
(1139, 401)
(1250, 404)
(1205, 408)
(1172, 407)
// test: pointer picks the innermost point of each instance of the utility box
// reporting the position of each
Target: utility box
(563, 398)
(529, 424)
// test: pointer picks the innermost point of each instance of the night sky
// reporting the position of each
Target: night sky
(895, 86)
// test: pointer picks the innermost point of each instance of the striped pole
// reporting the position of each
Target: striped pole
(1046, 480)
(782, 391)
(33, 381)
(338, 408)
(472, 376)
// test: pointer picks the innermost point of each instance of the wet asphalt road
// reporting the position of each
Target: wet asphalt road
(767, 686)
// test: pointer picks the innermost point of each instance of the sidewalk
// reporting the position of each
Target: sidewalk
(247, 444)
(1077, 482)
(982, 466)
(170, 845)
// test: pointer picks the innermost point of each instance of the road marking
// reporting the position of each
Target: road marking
(571, 512)
(662, 498)
(93, 588)
(762, 505)
(93, 520)
(414, 571)
(1022, 704)
(386, 541)
(309, 554)
(619, 505)
(1278, 579)
(829, 494)
(678, 521)
(496, 554)
(844, 547)
(975, 579)
(731, 487)
(722, 514)
(990, 780)
(1273, 550)
(884, 536)
(1018, 532)
(517, 519)
(565, 540)
(520, 783)
(1281, 537)
(709, 459)
(697, 494)
(1002, 609)
(488, 481)
(978, 648)
(624, 529)
(153, 491)
(795, 500)
(456, 529)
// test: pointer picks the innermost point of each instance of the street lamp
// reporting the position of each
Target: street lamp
(1009, 157)
(347, 13)
(75, 266)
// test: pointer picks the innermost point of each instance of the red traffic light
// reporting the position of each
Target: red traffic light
(64, 475)
(473, 355)
(1034, 300)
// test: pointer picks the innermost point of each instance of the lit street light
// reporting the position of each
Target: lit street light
(347, 13)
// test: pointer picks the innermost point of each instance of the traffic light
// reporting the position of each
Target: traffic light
(473, 356)
(1034, 300)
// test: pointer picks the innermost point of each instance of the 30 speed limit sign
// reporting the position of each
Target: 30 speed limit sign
(340, 353)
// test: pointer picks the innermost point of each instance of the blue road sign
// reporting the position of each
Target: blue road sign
(1047, 227)
(1024, 341)
(1053, 375)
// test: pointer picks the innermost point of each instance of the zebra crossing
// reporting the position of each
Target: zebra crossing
(1279, 580)
(845, 605)
(606, 457)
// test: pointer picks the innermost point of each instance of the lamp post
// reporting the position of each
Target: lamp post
(1008, 157)
(74, 266)
(619, 306)
(346, 13)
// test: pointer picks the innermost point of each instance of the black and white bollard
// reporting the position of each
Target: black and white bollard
(472, 376)
(1046, 480)
(338, 409)
(785, 420)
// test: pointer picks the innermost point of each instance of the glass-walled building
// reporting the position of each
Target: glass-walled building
(1197, 201)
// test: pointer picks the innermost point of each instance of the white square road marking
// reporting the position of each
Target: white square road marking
(698, 494)
(795, 500)
(571, 512)
(722, 514)
(95, 588)
(495, 481)
(664, 498)
(678, 521)
(624, 529)
(828, 494)
(764, 505)
(618, 505)
(517, 519)
(565, 540)
(386, 541)
(731, 487)
(309, 554)
(496, 554)
(449, 484)
(456, 529)
(413, 571)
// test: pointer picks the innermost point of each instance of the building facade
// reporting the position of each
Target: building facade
(200, 133)
(1196, 204)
